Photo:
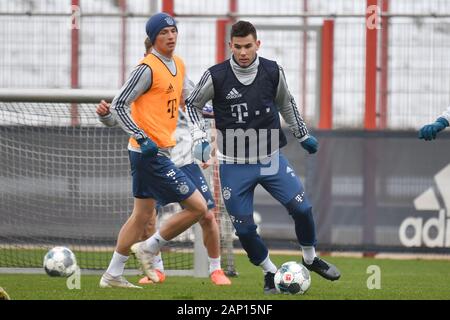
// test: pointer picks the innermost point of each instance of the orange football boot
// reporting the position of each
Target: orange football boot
(219, 278)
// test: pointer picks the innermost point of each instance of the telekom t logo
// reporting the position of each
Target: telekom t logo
(240, 114)
(437, 199)
(172, 107)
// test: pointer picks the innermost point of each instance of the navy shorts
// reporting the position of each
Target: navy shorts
(240, 180)
(158, 178)
(194, 173)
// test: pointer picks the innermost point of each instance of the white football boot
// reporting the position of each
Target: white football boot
(146, 260)
(108, 281)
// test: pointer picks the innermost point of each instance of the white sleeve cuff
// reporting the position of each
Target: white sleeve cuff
(303, 138)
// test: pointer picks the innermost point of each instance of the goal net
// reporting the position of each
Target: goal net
(65, 180)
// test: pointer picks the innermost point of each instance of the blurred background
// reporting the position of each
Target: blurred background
(366, 75)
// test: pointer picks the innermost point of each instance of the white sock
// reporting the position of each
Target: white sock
(214, 264)
(158, 263)
(155, 243)
(309, 253)
(268, 266)
(117, 264)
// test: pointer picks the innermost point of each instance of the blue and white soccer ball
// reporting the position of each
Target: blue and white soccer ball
(292, 278)
(60, 262)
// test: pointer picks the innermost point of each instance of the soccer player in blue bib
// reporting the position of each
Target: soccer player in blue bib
(248, 93)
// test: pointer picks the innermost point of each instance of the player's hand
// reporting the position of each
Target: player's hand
(202, 151)
(429, 131)
(310, 144)
(103, 108)
(148, 147)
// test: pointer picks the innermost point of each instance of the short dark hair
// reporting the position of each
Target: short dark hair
(243, 29)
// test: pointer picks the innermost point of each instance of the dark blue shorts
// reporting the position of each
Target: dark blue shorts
(158, 178)
(194, 173)
(240, 180)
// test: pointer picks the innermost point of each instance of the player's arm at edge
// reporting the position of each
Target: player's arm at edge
(289, 111)
(428, 132)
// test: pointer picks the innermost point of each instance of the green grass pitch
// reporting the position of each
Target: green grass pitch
(400, 279)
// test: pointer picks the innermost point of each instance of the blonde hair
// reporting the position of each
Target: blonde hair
(148, 45)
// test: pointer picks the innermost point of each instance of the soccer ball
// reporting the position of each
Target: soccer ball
(60, 262)
(292, 278)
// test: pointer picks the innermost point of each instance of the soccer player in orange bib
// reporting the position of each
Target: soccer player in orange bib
(154, 91)
(181, 156)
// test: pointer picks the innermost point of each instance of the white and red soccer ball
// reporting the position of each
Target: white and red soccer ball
(292, 278)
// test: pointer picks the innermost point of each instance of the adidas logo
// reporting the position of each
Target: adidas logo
(434, 231)
(290, 171)
(233, 94)
(170, 89)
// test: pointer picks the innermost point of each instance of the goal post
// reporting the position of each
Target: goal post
(66, 184)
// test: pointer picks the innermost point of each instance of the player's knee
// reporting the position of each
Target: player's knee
(196, 204)
(144, 215)
(201, 210)
(299, 209)
(245, 230)
(301, 212)
(244, 225)
(208, 219)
